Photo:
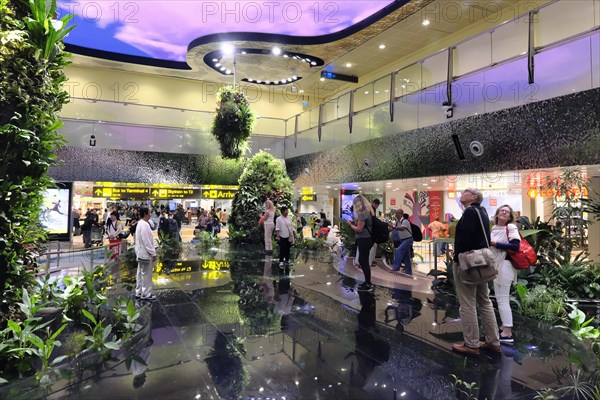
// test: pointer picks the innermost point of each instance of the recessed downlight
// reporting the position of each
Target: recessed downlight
(382, 46)
(348, 65)
(276, 51)
(425, 22)
(228, 49)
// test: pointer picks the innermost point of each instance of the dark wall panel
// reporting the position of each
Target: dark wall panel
(91, 164)
(558, 132)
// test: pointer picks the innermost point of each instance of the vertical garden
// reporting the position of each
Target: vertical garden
(32, 60)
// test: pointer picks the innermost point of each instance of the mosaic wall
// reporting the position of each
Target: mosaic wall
(91, 164)
(561, 131)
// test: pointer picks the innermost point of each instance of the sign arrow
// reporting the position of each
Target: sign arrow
(155, 193)
(98, 192)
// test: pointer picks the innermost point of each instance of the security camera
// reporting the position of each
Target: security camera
(367, 162)
(92, 141)
(307, 171)
(448, 109)
(476, 148)
(167, 170)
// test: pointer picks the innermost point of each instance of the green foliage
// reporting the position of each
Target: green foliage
(31, 95)
(547, 304)
(464, 390)
(233, 123)
(170, 249)
(263, 178)
(206, 241)
(347, 237)
(317, 244)
(99, 334)
(126, 317)
(578, 280)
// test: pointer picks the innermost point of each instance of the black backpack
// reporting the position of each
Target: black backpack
(416, 232)
(379, 230)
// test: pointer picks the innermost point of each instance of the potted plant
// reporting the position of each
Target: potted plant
(233, 123)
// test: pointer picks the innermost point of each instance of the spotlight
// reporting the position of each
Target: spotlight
(228, 49)
(276, 51)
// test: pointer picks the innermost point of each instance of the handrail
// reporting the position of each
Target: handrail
(490, 30)
(58, 254)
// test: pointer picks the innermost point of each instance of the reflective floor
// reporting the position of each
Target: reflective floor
(235, 325)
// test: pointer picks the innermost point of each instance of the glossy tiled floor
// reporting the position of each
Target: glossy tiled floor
(255, 331)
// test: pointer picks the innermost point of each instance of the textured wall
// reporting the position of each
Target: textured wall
(558, 132)
(91, 164)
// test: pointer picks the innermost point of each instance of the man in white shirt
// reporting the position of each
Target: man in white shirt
(146, 256)
(285, 235)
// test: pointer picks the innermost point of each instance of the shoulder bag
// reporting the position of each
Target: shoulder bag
(478, 266)
(523, 258)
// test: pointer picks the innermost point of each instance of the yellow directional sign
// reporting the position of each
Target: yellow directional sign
(218, 194)
(308, 190)
(308, 197)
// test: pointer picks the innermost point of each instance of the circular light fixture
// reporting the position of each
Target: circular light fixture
(227, 49)
(217, 64)
(322, 79)
(228, 71)
(294, 77)
(382, 46)
(425, 22)
(313, 63)
(215, 59)
(366, 92)
(222, 68)
(276, 51)
(348, 65)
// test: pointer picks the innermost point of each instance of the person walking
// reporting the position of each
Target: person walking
(375, 204)
(438, 230)
(285, 236)
(471, 235)
(403, 244)
(90, 221)
(504, 236)
(268, 221)
(146, 256)
(362, 225)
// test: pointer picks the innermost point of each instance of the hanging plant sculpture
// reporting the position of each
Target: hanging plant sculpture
(233, 123)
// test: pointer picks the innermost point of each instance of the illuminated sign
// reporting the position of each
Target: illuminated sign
(180, 267)
(218, 194)
(339, 77)
(308, 190)
(215, 265)
(309, 197)
(174, 193)
(138, 193)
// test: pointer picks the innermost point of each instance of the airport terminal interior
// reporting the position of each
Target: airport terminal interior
(272, 199)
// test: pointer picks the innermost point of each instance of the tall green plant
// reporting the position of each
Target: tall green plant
(233, 123)
(31, 95)
(263, 178)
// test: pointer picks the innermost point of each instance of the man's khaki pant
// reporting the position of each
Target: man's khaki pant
(471, 299)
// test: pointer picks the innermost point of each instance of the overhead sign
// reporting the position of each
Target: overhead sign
(174, 193)
(218, 194)
(137, 193)
(308, 190)
(308, 197)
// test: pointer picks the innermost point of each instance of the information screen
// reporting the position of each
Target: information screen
(346, 205)
(55, 212)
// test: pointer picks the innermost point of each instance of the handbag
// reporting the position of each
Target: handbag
(478, 266)
(523, 258)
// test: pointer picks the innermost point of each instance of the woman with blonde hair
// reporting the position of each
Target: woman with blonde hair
(362, 225)
(268, 220)
(504, 236)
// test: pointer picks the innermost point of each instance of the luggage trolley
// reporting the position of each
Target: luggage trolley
(97, 236)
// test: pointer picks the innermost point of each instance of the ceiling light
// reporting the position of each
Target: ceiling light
(382, 46)
(366, 92)
(276, 51)
(228, 49)
(348, 65)
(267, 82)
(215, 59)
(222, 68)
(377, 91)
(285, 56)
(322, 79)
(294, 77)
(359, 187)
(258, 81)
(250, 80)
(313, 63)
(276, 82)
(217, 64)
(243, 52)
(228, 71)
(425, 22)
(301, 90)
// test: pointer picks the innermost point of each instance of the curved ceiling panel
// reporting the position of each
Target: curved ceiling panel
(161, 32)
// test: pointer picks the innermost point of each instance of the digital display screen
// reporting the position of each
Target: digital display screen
(346, 206)
(55, 212)
(163, 29)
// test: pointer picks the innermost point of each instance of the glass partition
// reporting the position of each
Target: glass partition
(409, 80)
(363, 97)
(269, 126)
(435, 69)
(343, 107)
(472, 55)
(510, 40)
(564, 19)
(381, 90)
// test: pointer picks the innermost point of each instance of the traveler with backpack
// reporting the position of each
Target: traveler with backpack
(362, 225)
(504, 236)
(403, 242)
(375, 204)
